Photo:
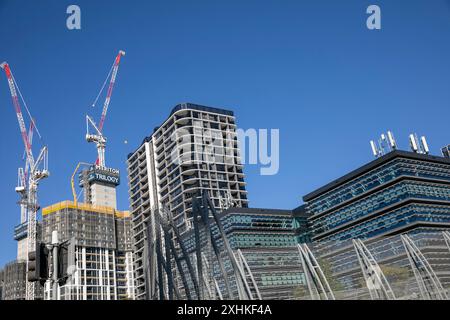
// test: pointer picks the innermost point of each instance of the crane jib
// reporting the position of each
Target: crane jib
(99, 138)
(18, 109)
(110, 90)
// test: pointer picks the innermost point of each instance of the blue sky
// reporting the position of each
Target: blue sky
(309, 68)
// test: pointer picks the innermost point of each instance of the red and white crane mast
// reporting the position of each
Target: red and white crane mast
(22, 186)
(38, 170)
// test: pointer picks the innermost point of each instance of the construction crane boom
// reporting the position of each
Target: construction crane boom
(98, 137)
(15, 99)
(110, 89)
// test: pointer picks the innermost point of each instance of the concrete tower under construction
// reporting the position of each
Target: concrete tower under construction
(99, 185)
(102, 237)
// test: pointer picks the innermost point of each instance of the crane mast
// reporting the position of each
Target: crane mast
(97, 136)
(35, 170)
(21, 189)
(23, 174)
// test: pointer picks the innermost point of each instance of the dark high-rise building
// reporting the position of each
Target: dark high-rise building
(267, 240)
(400, 192)
(300, 223)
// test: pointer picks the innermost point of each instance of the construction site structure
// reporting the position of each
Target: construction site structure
(98, 181)
(102, 263)
(101, 235)
(28, 183)
(12, 281)
(97, 137)
(99, 185)
(20, 231)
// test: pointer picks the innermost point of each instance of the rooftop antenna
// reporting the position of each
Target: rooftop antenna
(382, 143)
(446, 151)
(413, 143)
(386, 143)
(418, 145)
(392, 142)
(374, 149)
(424, 143)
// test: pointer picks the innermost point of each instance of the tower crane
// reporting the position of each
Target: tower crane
(37, 169)
(22, 187)
(97, 136)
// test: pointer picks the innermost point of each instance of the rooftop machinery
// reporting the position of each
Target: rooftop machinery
(418, 146)
(98, 137)
(387, 143)
(446, 151)
(38, 170)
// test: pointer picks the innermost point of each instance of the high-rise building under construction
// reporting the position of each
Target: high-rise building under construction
(102, 237)
(103, 254)
(194, 150)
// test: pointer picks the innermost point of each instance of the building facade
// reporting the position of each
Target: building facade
(195, 149)
(301, 224)
(400, 192)
(267, 241)
(13, 275)
(346, 277)
(102, 235)
(103, 250)
(13, 281)
(99, 185)
(20, 235)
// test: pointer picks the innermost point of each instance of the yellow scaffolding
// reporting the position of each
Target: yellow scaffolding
(85, 207)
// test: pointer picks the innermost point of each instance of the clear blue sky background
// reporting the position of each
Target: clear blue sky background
(310, 68)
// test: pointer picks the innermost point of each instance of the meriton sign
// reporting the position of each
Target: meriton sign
(103, 174)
